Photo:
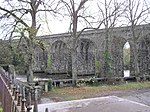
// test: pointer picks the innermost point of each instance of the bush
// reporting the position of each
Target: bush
(91, 81)
(50, 84)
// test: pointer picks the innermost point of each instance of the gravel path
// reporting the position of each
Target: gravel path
(99, 104)
(141, 96)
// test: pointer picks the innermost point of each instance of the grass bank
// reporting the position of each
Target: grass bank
(1, 110)
(73, 93)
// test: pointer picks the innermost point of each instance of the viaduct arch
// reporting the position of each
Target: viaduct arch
(91, 48)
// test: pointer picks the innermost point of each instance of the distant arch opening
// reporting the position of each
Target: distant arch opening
(40, 62)
(59, 57)
(86, 57)
(126, 59)
(144, 55)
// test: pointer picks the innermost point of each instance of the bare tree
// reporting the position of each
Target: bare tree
(137, 12)
(109, 13)
(20, 18)
(76, 11)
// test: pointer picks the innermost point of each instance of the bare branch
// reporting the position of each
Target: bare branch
(81, 5)
(68, 7)
(15, 16)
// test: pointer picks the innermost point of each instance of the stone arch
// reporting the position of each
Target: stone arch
(126, 58)
(144, 55)
(86, 57)
(117, 56)
(40, 60)
(59, 57)
(131, 67)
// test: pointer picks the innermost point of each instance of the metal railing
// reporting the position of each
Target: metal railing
(16, 96)
(9, 96)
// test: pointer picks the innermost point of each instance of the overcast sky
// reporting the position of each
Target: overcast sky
(61, 25)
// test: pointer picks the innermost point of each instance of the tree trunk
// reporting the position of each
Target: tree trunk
(30, 58)
(74, 67)
(74, 49)
(107, 52)
(136, 65)
(30, 74)
(135, 51)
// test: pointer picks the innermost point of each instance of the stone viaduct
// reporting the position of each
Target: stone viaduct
(90, 52)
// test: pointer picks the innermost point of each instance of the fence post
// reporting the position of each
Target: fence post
(14, 88)
(10, 85)
(19, 97)
(23, 100)
(46, 110)
(36, 100)
(16, 93)
(29, 102)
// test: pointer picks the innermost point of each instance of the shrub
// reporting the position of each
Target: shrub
(50, 84)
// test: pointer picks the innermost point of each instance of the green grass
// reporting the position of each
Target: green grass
(73, 93)
(1, 110)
